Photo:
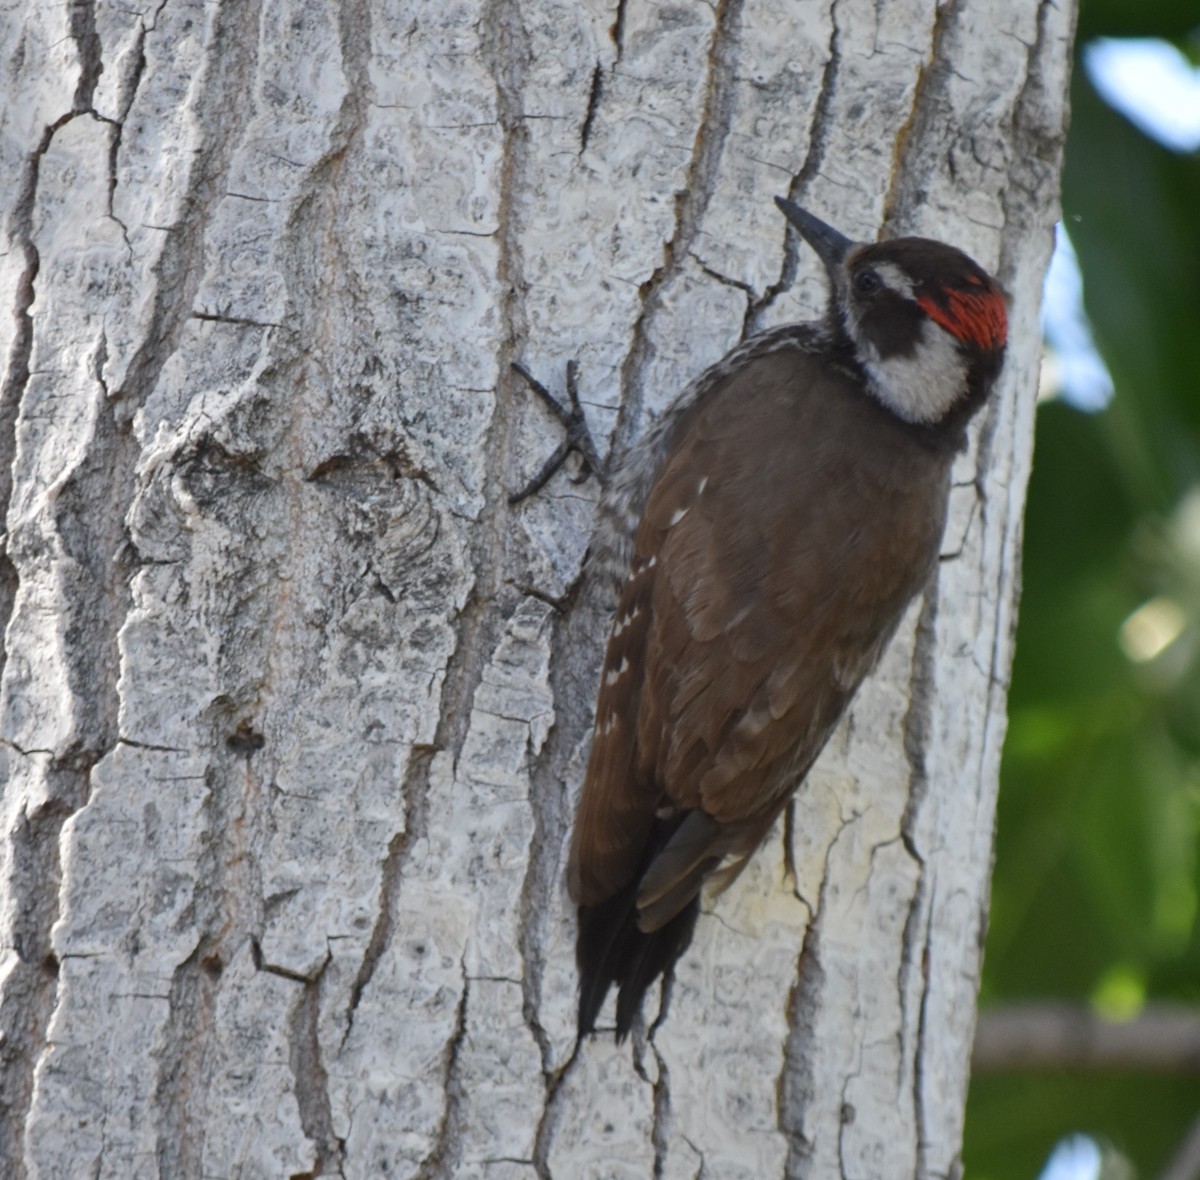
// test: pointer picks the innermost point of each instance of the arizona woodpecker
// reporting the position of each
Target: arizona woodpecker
(766, 537)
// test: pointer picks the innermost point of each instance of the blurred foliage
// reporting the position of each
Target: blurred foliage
(1094, 896)
(1173, 20)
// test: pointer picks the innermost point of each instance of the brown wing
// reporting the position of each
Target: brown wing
(792, 522)
(617, 806)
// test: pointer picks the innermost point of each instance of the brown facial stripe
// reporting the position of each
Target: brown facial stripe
(978, 317)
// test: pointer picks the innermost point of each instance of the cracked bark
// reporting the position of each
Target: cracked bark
(294, 704)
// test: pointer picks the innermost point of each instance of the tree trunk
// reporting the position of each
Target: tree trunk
(295, 704)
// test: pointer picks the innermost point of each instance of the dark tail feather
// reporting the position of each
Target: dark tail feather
(652, 955)
(612, 950)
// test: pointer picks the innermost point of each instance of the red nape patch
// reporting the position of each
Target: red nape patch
(978, 317)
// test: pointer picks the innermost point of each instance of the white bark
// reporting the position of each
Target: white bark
(295, 705)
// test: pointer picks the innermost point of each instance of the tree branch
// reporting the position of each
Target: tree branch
(1162, 1038)
(1186, 1163)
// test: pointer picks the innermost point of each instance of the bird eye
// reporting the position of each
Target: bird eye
(867, 282)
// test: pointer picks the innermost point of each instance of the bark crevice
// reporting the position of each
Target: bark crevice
(182, 1113)
(88, 515)
(31, 985)
(443, 1161)
(913, 137)
(819, 134)
(690, 204)
(230, 62)
(795, 1085)
(311, 1080)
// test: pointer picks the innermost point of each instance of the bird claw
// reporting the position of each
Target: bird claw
(578, 437)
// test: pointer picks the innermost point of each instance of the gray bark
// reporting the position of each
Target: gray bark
(294, 704)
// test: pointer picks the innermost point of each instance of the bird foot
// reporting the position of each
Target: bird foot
(577, 437)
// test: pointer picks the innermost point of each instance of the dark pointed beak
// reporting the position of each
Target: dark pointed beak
(831, 246)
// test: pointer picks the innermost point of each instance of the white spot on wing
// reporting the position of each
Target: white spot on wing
(624, 621)
(615, 674)
(754, 723)
(677, 516)
(739, 618)
(625, 497)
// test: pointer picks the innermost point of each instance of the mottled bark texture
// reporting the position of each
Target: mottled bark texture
(295, 703)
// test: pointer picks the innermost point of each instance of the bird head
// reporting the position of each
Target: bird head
(926, 323)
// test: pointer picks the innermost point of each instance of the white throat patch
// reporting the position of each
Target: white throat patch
(922, 386)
